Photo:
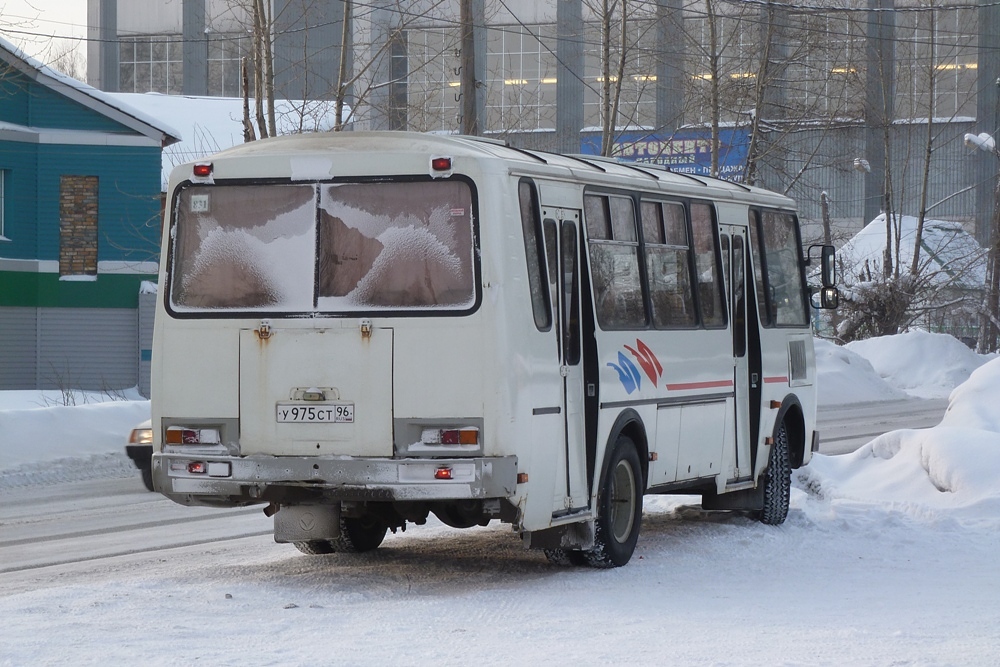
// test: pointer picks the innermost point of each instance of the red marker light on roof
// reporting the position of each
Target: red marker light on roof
(441, 164)
(203, 169)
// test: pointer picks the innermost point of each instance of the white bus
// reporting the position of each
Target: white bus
(359, 330)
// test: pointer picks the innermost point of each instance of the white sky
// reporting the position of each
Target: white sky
(37, 21)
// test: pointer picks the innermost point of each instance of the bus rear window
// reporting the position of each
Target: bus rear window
(332, 248)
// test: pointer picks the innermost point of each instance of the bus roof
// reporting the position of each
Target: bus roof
(590, 169)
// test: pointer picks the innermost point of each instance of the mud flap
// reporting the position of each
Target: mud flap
(577, 536)
(745, 499)
(305, 523)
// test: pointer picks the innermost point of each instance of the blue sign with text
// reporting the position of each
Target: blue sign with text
(685, 151)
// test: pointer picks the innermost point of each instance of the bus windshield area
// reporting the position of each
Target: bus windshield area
(323, 247)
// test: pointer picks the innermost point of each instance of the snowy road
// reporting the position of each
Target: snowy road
(844, 428)
(858, 587)
(105, 572)
(81, 522)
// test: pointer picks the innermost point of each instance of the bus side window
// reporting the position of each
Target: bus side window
(614, 262)
(713, 314)
(782, 261)
(668, 261)
(534, 252)
(763, 298)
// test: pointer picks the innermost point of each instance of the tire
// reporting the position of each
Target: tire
(619, 508)
(777, 481)
(566, 556)
(357, 535)
(147, 478)
(315, 547)
(361, 534)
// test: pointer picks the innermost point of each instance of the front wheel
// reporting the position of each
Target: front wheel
(777, 481)
(619, 508)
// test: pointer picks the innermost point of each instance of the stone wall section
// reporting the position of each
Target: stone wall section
(78, 225)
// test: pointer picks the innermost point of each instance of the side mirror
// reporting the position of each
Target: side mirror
(829, 298)
(829, 266)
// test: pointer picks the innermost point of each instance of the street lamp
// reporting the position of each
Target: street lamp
(989, 316)
(984, 141)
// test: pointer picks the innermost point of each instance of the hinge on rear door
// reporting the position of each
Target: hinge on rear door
(366, 328)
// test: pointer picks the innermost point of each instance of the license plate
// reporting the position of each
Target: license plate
(321, 413)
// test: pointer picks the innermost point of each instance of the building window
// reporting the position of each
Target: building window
(224, 65)
(78, 225)
(151, 64)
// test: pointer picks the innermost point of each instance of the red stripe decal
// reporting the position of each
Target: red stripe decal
(780, 378)
(700, 385)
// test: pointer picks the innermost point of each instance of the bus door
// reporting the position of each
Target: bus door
(746, 356)
(562, 246)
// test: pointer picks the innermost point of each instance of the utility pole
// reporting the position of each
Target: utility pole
(467, 79)
(825, 207)
(989, 319)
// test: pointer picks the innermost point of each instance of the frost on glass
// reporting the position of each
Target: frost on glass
(245, 247)
(395, 245)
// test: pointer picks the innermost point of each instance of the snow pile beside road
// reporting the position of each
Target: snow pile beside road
(846, 377)
(952, 467)
(923, 364)
(38, 438)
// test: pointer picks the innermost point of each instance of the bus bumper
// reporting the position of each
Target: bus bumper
(231, 481)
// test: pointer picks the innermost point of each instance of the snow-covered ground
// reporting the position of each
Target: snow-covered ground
(890, 555)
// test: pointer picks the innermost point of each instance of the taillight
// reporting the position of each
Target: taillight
(468, 435)
(183, 435)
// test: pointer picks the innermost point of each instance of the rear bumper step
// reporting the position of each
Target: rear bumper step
(249, 478)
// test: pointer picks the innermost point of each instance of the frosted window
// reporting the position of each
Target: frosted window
(240, 247)
(398, 245)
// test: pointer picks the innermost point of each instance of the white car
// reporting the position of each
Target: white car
(139, 448)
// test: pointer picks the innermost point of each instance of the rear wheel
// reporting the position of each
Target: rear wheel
(566, 556)
(777, 481)
(619, 504)
(357, 535)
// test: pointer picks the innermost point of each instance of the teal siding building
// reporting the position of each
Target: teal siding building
(80, 210)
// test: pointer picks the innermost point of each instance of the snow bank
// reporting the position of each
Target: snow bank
(923, 364)
(847, 377)
(38, 436)
(954, 466)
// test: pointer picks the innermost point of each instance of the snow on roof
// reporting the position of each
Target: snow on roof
(212, 124)
(89, 96)
(945, 247)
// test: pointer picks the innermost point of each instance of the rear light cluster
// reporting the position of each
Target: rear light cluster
(183, 435)
(450, 436)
